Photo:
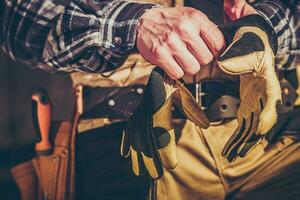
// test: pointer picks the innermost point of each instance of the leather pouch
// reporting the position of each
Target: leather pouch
(50, 177)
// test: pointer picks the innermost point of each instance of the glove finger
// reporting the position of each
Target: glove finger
(135, 149)
(163, 135)
(267, 119)
(268, 116)
(233, 152)
(252, 139)
(166, 146)
(279, 128)
(149, 153)
(237, 59)
(234, 137)
(189, 107)
(251, 144)
(155, 93)
(135, 161)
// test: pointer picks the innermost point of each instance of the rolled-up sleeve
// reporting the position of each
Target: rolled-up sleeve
(56, 35)
(284, 17)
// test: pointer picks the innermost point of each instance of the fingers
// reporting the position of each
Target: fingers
(163, 135)
(179, 40)
(184, 57)
(168, 154)
(251, 139)
(235, 9)
(200, 50)
(149, 154)
(234, 138)
(249, 145)
(176, 60)
(268, 116)
(213, 38)
(167, 62)
(136, 142)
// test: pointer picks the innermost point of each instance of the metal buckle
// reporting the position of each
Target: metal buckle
(201, 94)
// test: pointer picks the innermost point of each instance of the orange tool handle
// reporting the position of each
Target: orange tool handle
(41, 113)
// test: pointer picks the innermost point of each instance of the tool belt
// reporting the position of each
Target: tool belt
(52, 176)
(218, 98)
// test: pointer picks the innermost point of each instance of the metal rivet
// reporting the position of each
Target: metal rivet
(55, 159)
(140, 90)
(64, 154)
(286, 90)
(111, 102)
(223, 108)
(117, 41)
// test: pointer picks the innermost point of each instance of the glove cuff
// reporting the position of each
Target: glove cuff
(250, 20)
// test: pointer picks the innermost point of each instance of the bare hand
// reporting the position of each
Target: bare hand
(179, 40)
(235, 9)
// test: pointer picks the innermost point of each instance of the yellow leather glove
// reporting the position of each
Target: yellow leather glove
(250, 54)
(149, 137)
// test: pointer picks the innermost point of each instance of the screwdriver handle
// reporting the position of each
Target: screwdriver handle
(41, 113)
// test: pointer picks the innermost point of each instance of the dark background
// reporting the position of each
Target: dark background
(17, 134)
(17, 83)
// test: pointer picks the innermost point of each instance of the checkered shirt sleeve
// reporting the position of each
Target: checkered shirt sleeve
(284, 17)
(82, 35)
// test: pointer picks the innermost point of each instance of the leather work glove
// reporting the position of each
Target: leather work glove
(149, 137)
(250, 54)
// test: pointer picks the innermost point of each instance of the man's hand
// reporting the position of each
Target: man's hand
(179, 40)
(235, 9)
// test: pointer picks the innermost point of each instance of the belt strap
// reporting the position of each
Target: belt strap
(111, 102)
(218, 98)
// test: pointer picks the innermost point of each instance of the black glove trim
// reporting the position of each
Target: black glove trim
(251, 20)
(247, 49)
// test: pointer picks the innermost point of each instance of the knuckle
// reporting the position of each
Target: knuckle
(156, 51)
(170, 38)
(218, 48)
(176, 75)
(192, 70)
(182, 28)
(196, 14)
(206, 59)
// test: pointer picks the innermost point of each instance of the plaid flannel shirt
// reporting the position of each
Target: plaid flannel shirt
(97, 36)
(68, 35)
(284, 17)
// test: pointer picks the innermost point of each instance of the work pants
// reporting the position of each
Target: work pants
(101, 172)
(267, 172)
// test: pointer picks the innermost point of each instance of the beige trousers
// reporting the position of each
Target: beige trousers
(202, 172)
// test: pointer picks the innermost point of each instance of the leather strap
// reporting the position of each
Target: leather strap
(111, 102)
(218, 98)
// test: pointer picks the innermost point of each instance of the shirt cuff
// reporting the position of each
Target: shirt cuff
(124, 29)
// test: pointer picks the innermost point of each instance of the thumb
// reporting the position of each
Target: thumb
(241, 57)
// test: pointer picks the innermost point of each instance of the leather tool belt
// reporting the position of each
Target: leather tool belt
(218, 98)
